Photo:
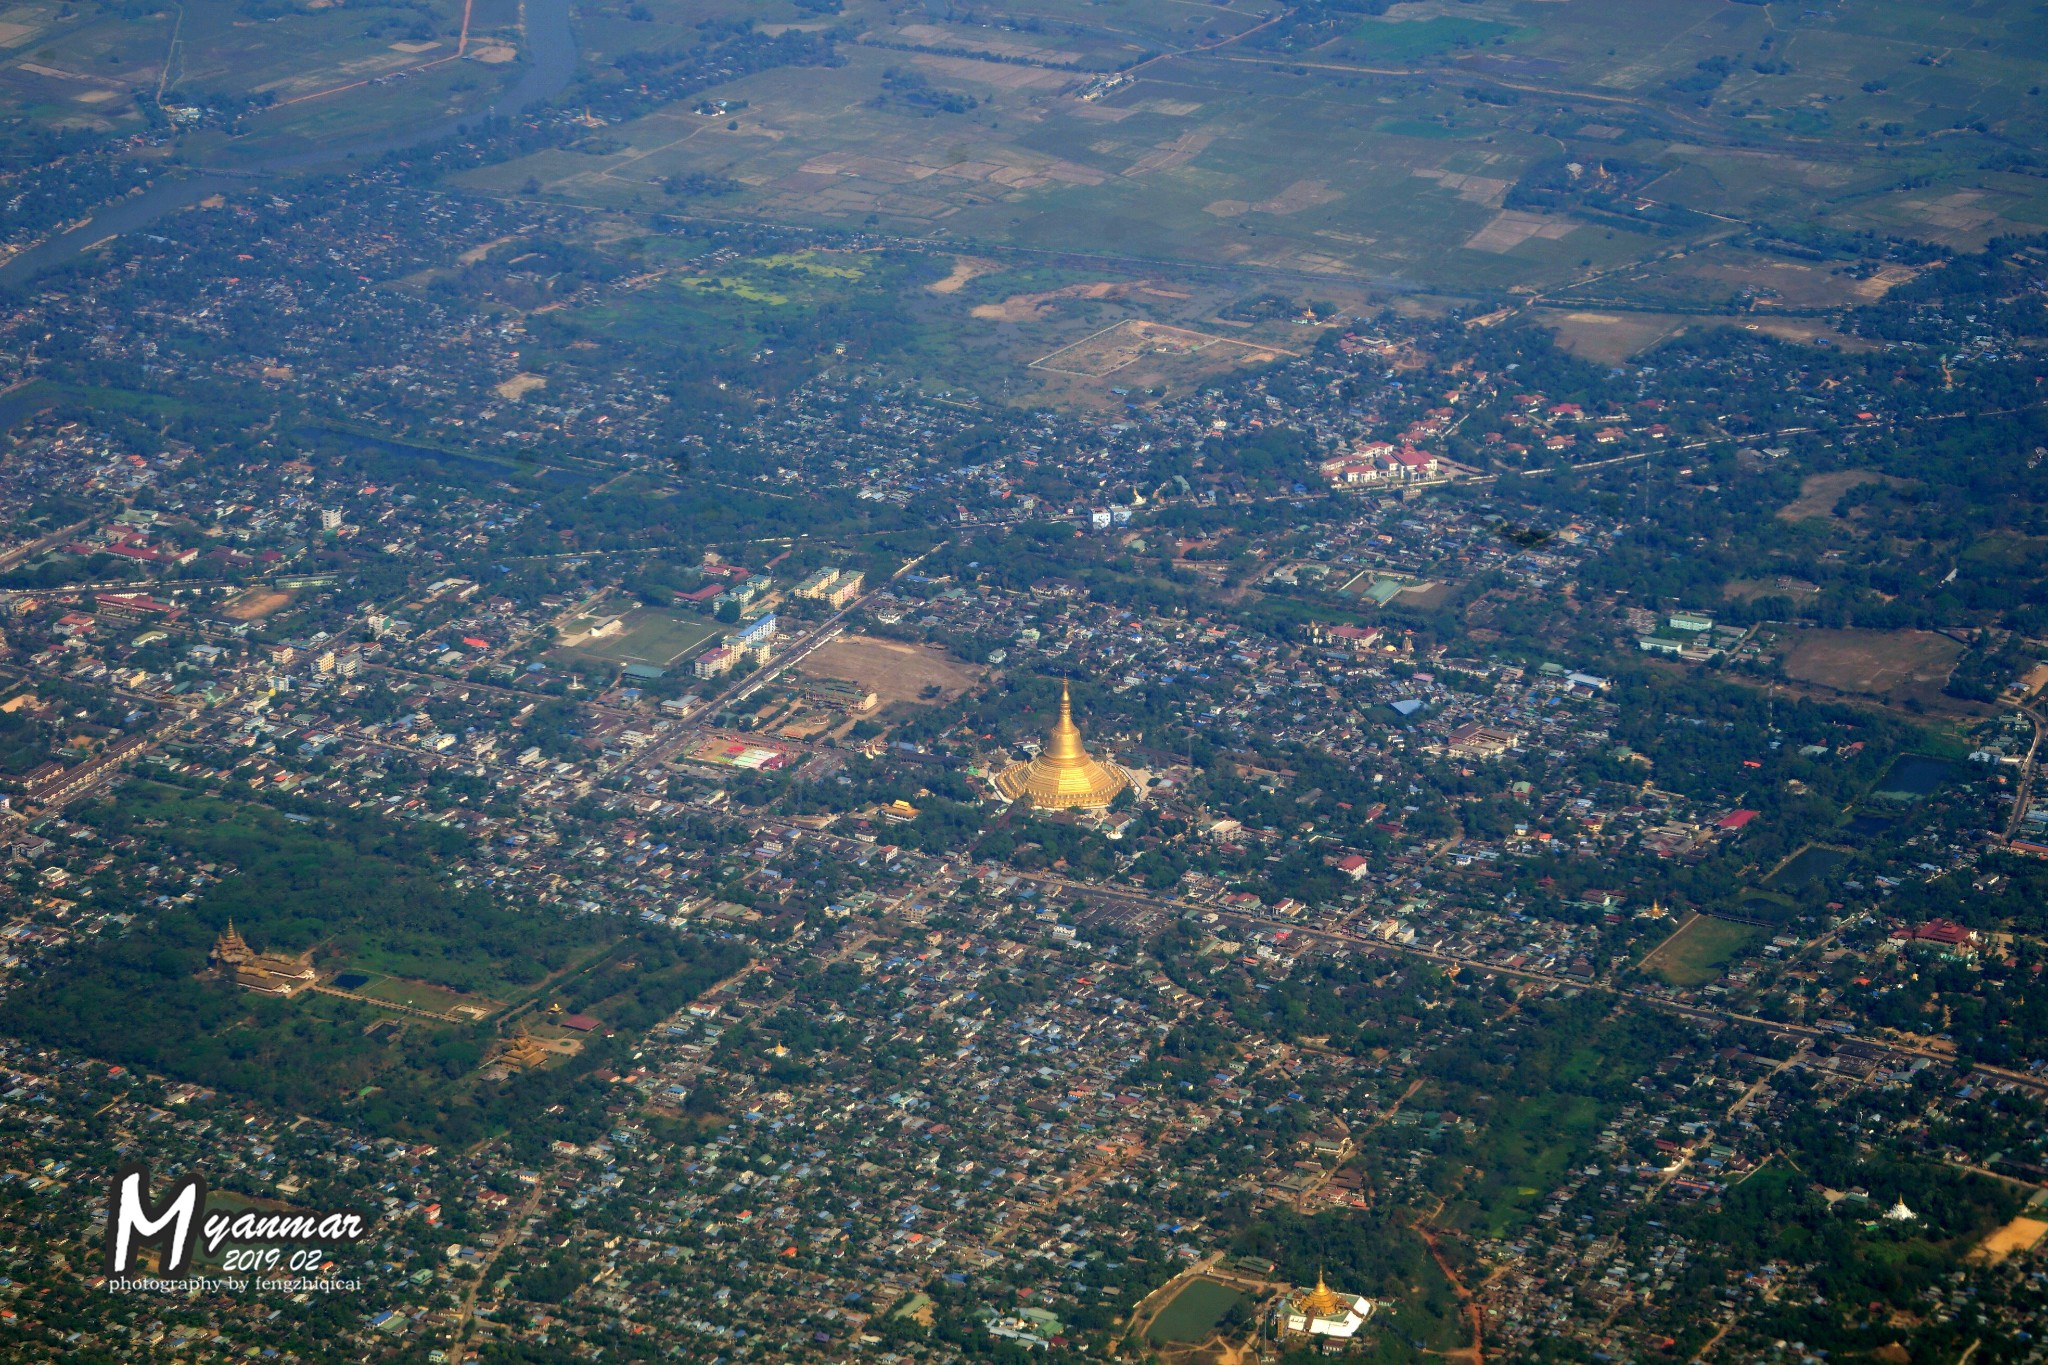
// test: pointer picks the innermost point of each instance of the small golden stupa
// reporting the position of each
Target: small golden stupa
(1064, 775)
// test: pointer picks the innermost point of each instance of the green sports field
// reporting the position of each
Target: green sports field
(650, 637)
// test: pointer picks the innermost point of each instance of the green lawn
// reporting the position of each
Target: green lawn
(1700, 951)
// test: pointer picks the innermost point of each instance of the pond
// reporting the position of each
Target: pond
(1913, 776)
(1194, 1312)
(1814, 863)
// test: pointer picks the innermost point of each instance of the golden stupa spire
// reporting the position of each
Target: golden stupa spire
(229, 947)
(1065, 745)
(1064, 776)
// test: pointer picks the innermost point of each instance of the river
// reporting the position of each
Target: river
(550, 63)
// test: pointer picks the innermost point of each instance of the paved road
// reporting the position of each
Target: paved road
(10, 558)
(2024, 791)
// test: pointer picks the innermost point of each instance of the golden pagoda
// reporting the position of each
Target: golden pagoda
(1320, 1302)
(264, 973)
(1064, 775)
(1322, 1315)
(230, 949)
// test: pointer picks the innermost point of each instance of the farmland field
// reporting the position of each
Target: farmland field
(310, 72)
(1423, 145)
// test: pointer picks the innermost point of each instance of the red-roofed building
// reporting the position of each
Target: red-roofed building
(1734, 820)
(1356, 638)
(1418, 464)
(133, 606)
(1943, 933)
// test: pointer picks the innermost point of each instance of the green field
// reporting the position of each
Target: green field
(424, 995)
(1194, 1312)
(1399, 39)
(1523, 1157)
(1700, 951)
(651, 637)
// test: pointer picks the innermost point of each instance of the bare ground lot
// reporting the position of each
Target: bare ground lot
(1612, 337)
(519, 385)
(1880, 663)
(1427, 595)
(965, 269)
(1126, 343)
(893, 671)
(1045, 303)
(2018, 1235)
(1750, 589)
(256, 604)
(1818, 493)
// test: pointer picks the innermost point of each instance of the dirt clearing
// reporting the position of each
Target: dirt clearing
(1033, 307)
(519, 385)
(2018, 1235)
(256, 604)
(965, 269)
(893, 671)
(1878, 663)
(1610, 338)
(1818, 493)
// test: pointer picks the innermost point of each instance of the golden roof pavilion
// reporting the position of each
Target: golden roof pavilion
(1064, 775)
